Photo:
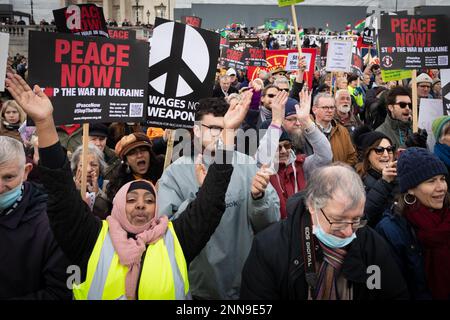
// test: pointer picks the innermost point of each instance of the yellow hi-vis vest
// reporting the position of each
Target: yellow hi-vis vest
(163, 276)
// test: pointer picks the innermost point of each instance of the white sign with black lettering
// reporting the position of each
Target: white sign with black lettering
(292, 61)
(339, 56)
(4, 40)
(429, 110)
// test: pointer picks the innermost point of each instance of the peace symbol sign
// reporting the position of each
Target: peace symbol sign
(180, 66)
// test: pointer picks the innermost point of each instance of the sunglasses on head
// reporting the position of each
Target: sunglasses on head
(403, 105)
(380, 150)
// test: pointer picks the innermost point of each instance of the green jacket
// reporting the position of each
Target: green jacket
(70, 142)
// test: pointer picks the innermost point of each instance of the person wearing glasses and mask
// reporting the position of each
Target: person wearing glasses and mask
(341, 143)
(378, 170)
(323, 249)
(252, 203)
(418, 226)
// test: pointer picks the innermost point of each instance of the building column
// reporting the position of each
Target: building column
(106, 11)
(122, 11)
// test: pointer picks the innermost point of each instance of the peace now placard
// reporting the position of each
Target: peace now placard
(182, 65)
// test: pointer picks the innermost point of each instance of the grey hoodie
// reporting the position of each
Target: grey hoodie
(216, 272)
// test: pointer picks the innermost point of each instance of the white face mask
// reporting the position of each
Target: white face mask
(343, 108)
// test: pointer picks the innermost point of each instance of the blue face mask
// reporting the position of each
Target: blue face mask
(329, 240)
(7, 199)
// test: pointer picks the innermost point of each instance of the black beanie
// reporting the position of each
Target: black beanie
(364, 137)
(417, 165)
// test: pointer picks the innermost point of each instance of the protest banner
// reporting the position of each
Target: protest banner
(279, 58)
(284, 3)
(232, 59)
(445, 83)
(430, 109)
(292, 61)
(413, 42)
(182, 65)
(339, 56)
(90, 79)
(241, 44)
(122, 34)
(368, 37)
(81, 19)
(192, 21)
(255, 57)
(395, 75)
(4, 40)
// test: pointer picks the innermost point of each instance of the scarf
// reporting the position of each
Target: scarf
(71, 129)
(130, 250)
(331, 285)
(266, 114)
(443, 152)
(432, 229)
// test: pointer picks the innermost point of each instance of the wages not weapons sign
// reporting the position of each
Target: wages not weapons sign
(82, 19)
(411, 42)
(183, 65)
(90, 79)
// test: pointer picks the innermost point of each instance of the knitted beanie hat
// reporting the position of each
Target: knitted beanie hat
(437, 126)
(364, 137)
(290, 107)
(417, 165)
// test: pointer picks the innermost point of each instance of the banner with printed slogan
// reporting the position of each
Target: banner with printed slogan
(90, 79)
(182, 65)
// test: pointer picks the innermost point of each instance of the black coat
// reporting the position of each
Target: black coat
(77, 229)
(218, 93)
(275, 266)
(379, 196)
(32, 266)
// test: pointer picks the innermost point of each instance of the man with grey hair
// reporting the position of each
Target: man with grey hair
(340, 140)
(224, 87)
(32, 264)
(344, 111)
(323, 250)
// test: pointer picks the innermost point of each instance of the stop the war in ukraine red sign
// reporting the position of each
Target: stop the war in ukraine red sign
(90, 79)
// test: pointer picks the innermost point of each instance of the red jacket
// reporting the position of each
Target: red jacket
(286, 179)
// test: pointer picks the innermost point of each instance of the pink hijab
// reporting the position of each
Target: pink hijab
(130, 250)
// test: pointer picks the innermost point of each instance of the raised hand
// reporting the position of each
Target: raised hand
(390, 172)
(278, 107)
(34, 102)
(200, 170)
(303, 110)
(237, 112)
(302, 64)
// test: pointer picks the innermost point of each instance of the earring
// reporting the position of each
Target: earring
(409, 201)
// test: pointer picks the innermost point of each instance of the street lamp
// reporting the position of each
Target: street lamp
(148, 16)
(32, 17)
(137, 12)
(161, 9)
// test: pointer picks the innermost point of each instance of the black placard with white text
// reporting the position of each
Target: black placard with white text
(90, 79)
(182, 65)
(81, 19)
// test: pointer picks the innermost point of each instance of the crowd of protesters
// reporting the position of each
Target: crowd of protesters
(337, 182)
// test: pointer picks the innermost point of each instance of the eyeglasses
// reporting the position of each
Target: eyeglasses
(293, 119)
(329, 108)
(380, 150)
(424, 86)
(403, 105)
(214, 131)
(342, 225)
